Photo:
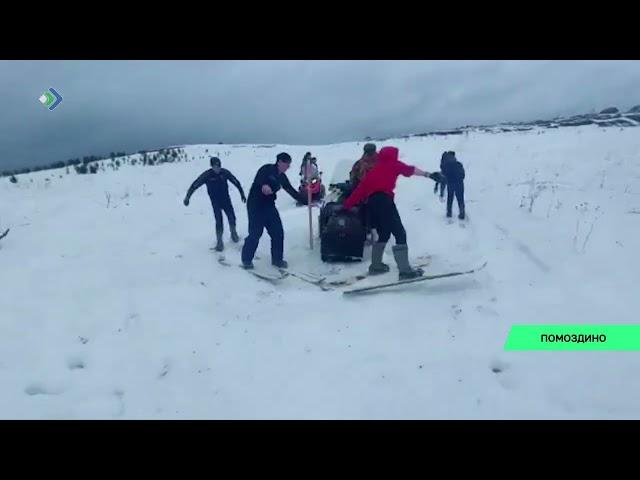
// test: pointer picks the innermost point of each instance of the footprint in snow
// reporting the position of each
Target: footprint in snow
(38, 388)
(504, 374)
(165, 369)
(76, 363)
(487, 310)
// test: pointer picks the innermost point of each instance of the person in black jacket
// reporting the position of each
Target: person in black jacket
(442, 185)
(216, 179)
(262, 211)
(453, 170)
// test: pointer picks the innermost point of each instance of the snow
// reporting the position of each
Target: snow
(124, 312)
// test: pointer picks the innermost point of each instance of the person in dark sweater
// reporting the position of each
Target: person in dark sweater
(262, 211)
(453, 170)
(442, 185)
(216, 179)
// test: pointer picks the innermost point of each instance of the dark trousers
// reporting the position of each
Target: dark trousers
(219, 205)
(457, 189)
(365, 217)
(262, 217)
(442, 186)
(386, 219)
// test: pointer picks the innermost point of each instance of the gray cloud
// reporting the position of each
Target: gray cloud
(134, 105)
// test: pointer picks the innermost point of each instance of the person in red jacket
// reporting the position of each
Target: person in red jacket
(377, 188)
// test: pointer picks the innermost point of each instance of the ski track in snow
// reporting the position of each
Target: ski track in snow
(525, 250)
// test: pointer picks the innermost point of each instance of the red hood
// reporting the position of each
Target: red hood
(388, 154)
(381, 178)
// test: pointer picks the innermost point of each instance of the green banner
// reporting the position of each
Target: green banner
(573, 337)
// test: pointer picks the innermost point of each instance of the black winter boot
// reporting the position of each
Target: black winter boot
(234, 234)
(280, 264)
(401, 255)
(376, 267)
(219, 244)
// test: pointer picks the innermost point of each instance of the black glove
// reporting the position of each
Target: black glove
(243, 198)
(438, 177)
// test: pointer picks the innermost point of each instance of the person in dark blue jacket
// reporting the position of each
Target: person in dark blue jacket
(453, 170)
(262, 211)
(216, 179)
(442, 185)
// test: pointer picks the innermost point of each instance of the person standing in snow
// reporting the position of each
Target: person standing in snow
(303, 165)
(216, 181)
(442, 185)
(262, 211)
(362, 166)
(453, 170)
(377, 188)
(358, 171)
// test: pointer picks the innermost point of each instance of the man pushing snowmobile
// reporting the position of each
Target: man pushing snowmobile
(364, 164)
(262, 211)
(358, 171)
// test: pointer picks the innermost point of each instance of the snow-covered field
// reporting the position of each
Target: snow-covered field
(124, 312)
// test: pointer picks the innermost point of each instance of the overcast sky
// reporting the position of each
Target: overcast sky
(134, 105)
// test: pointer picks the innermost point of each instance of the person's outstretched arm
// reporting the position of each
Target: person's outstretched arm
(198, 182)
(287, 187)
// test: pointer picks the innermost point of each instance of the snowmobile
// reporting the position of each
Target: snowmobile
(342, 233)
